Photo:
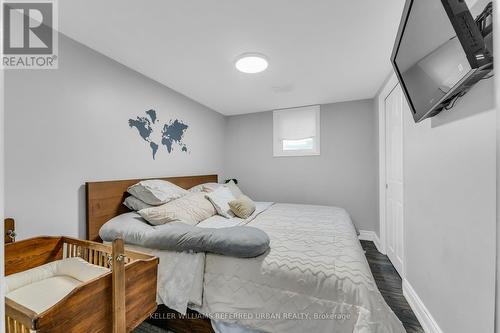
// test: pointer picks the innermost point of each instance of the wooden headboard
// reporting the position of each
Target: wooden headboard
(104, 199)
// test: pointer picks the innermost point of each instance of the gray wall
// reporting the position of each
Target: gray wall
(344, 175)
(450, 209)
(70, 125)
(496, 24)
(450, 203)
(377, 166)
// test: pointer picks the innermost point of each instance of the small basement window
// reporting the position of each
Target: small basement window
(296, 131)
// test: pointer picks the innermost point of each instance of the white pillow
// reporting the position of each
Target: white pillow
(220, 198)
(156, 192)
(135, 204)
(235, 190)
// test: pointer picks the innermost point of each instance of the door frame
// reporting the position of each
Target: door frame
(389, 84)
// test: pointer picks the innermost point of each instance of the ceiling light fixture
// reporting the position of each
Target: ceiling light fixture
(251, 63)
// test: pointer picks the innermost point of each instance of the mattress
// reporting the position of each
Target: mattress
(40, 288)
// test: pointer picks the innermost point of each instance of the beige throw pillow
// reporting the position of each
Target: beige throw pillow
(242, 207)
(191, 209)
(206, 187)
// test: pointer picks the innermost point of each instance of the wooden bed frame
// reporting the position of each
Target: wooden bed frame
(105, 201)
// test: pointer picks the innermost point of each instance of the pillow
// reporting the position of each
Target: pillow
(191, 209)
(210, 187)
(235, 190)
(220, 199)
(242, 207)
(207, 187)
(135, 204)
(156, 192)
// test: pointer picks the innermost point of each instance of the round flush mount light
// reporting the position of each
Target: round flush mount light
(251, 63)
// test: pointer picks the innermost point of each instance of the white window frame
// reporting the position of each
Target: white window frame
(278, 145)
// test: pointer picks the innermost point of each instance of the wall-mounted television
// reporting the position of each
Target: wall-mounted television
(439, 54)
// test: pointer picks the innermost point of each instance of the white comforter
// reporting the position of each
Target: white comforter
(180, 274)
(315, 278)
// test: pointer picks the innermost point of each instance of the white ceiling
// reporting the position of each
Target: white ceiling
(319, 51)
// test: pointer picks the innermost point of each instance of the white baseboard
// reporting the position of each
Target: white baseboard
(366, 235)
(377, 243)
(371, 236)
(423, 315)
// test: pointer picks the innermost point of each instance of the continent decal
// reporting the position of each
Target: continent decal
(171, 133)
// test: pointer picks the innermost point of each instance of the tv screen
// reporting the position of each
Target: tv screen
(438, 50)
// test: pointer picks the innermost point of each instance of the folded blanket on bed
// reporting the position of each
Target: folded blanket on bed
(238, 241)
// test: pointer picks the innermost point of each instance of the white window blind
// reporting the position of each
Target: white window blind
(296, 124)
(296, 131)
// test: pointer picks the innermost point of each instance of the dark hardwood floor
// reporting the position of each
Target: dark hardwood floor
(388, 281)
(390, 285)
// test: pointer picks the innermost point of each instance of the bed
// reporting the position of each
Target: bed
(315, 276)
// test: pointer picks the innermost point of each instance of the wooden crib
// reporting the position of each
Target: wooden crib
(116, 301)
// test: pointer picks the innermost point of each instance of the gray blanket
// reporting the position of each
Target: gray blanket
(241, 242)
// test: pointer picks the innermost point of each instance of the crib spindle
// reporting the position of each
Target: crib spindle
(14, 326)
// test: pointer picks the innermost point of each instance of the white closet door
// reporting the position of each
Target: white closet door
(394, 108)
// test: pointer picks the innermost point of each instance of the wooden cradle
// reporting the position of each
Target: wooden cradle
(116, 301)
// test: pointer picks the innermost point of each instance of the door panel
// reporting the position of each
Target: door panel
(394, 177)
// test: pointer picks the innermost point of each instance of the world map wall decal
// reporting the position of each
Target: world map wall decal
(171, 134)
